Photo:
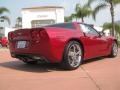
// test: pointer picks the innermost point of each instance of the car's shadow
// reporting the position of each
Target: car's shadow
(41, 67)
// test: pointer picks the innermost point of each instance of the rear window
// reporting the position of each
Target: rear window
(63, 25)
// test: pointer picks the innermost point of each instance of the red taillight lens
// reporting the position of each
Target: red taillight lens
(35, 34)
(38, 34)
(43, 34)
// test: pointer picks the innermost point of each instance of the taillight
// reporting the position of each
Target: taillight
(35, 34)
(43, 34)
(38, 34)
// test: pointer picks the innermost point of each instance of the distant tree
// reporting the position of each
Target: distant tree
(18, 22)
(102, 5)
(81, 12)
(68, 18)
(108, 26)
(74, 16)
(3, 17)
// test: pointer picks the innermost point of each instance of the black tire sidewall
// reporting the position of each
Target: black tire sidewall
(0, 45)
(112, 51)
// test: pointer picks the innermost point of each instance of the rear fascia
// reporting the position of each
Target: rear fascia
(42, 49)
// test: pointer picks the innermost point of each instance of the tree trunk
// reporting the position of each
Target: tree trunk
(82, 19)
(76, 19)
(112, 18)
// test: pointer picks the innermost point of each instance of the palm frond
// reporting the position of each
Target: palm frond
(116, 2)
(3, 9)
(87, 11)
(77, 7)
(89, 3)
(5, 18)
(107, 1)
(81, 11)
(19, 19)
(68, 18)
(98, 8)
(109, 27)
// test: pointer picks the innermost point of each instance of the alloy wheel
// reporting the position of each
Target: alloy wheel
(74, 55)
(115, 49)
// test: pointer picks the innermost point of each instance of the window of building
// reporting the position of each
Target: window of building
(39, 23)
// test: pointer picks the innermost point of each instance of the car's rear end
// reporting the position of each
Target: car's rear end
(31, 44)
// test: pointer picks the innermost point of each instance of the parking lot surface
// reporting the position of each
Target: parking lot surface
(96, 74)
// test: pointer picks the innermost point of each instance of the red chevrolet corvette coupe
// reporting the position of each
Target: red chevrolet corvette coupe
(65, 43)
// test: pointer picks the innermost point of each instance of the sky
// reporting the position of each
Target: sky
(15, 7)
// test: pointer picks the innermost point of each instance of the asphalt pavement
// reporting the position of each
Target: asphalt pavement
(96, 74)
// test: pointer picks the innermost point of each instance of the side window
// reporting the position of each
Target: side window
(89, 30)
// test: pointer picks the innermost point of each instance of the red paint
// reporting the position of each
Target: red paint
(3, 41)
(50, 42)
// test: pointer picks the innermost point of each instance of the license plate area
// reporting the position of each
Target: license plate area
(21, 44)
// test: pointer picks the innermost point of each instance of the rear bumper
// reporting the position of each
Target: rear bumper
(29, 57)
(44, 50)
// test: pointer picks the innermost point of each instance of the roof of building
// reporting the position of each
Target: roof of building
(42, 7)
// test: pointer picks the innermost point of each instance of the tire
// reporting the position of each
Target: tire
(73, 56)
(114, 50)
(0, 45)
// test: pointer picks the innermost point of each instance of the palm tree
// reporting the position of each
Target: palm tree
(82, 12)
(18, 22)
(68, 18)
(74, 15)
(103, 4)
(3, 17)
(108, 26)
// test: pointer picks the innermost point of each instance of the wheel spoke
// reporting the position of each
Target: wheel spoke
(74, 48)
(78, 53)
(71, 53)
(115, 49)
(74, 55)
(73, 63)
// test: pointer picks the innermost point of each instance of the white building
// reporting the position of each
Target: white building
(5, 30)
(40, 16)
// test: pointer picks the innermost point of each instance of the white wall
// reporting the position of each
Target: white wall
(7, 30)
(41, 14)
(60, 15)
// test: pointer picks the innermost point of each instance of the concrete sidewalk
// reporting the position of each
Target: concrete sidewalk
(98, 74)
